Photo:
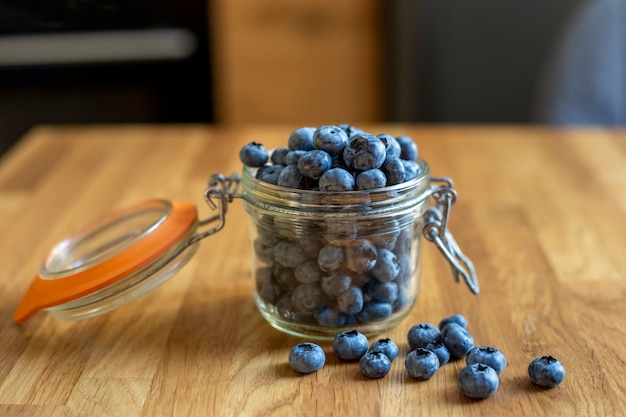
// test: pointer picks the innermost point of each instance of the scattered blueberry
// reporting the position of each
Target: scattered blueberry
(350, 345)
(487, 355)
(307, 357)
(253, 155)
(422, 334)
(331, 139)
(457, 339)
(456, 318)
(478, 381)
(386, 346)
(375, 364)
(439, 349)
(301, 139)
(421, 363)
(363, 152)
(546, 371)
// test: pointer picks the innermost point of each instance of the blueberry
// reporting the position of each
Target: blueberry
(350, 301)
(328, 317)
(263, 251)
(421, 363)
(269, 173)
(350, 345)
(387, 266)
(307, 298)
(301, 139)
(308, 272)
(284, 277)
(456, 318)
(374, 311)
(336, 179)
(314, 163)
(307, 357)
(292, 157)
(411, 170)
(253, 155)
(392, 147)
(361, 256)
(383, 291)
(439, 349)
(393, 168)
(349, 129)
(330, 258)
(331, 139)
(289, 254)
(363, 152)
(487, 355)
(278, 156)
(546, 371)
(457, 339)
(478, 381)
(336, 282)
(371, 179)
(408, 148)
(290, 177)
(422, 334)
(375, 364)
(266, 287)
(385, 346)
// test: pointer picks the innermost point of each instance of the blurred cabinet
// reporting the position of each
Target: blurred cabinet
(307, 61)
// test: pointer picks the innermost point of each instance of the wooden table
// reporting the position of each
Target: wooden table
(541, 212)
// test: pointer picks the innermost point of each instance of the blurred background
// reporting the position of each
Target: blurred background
(294, 61)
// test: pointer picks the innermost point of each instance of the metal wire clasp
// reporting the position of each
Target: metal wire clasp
(219, 193)
(436, 230)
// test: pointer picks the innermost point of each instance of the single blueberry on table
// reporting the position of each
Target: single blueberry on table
(546, 371)
(375, 364)
(351, 300)
(314, 163)
(278, 156)
(408, 148)
(421, 334)
(363, 152)
(385, 346)
(393, 168)
(269, 173)
(253, 155)
(487, 355)
(371, 179)
(457, 339)
(392, 147)
(478, 381)
(439, 349)
(301, 139)
(336, 179)
(350, 345)
(421, 364)
(331, 139)
(306, 357)
(291, 177)
(455, 318)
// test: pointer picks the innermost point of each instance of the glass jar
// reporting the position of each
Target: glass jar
(324, 262)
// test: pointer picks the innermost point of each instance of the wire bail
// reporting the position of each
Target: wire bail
(436, 230)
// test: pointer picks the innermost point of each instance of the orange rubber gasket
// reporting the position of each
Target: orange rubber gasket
(45, 293)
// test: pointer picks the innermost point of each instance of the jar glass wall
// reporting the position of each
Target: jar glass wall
(324, 262)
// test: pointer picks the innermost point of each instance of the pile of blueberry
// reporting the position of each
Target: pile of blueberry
(336, 273)
(335, 158)
(430, 348)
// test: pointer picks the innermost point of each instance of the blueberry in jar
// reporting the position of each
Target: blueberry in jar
(331, 139)
(336, 179)
(301, 139)
(363, 152)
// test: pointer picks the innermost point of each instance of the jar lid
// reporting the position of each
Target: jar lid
(115, 260)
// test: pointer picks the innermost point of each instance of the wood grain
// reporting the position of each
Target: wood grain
(541, 212)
